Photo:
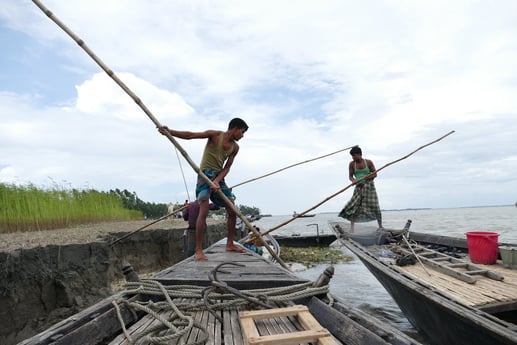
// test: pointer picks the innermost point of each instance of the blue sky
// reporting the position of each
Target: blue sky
(309, 79)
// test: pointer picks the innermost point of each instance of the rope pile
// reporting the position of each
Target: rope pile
(174, 320)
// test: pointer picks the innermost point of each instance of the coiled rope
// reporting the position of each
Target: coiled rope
(180, 323)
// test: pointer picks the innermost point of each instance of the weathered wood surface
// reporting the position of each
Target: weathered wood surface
(431, 299)
(446, 264)
(100, 325)
(311, 330)
(484, 292)
(252, 275)
(230, 332)
(91, 325)
(342, 326)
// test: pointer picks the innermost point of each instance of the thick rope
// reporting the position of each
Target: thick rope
(179, 324)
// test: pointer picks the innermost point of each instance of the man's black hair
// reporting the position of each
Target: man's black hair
(356, 150)
(238, 123)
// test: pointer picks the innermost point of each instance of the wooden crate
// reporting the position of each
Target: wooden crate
(313, 331)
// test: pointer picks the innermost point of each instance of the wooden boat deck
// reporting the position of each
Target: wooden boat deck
(298, 317)
(228, 332)
(250, 276)
(450, 290)
(483, 293)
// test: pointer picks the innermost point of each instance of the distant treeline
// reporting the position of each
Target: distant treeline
(31, 208)
(132, 202)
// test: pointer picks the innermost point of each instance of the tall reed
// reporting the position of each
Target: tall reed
(29, 208)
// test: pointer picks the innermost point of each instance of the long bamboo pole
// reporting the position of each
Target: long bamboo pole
(139, 102)
(269, 174)
(239, 184)
(147, 225)
(352, 184)
(291, 166)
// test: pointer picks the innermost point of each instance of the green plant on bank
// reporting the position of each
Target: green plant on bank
(29, 208)
(309, 256)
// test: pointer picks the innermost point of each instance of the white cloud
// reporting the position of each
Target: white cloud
(102, 95)
(309, 79)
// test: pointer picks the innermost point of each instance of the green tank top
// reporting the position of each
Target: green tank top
(214, 157)
(360, 173)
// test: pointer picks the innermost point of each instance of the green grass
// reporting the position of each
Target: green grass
(30, 208)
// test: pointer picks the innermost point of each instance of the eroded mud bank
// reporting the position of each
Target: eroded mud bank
(42, 285)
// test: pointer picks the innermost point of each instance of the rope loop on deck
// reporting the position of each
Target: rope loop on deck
(172, 313)
(174, 326)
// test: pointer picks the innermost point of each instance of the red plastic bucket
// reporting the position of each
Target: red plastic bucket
(483, 246)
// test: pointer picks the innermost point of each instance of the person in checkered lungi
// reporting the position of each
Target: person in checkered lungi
(364, 204)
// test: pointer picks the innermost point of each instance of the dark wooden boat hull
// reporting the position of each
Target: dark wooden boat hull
(305, 241)
(441, 319)
(99, 324)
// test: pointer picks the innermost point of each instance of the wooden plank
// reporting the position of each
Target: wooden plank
(293, 338)
(341, 326)
(439, 239)
(228, 336)
(204, 321)
(359, 317)
(277, 312)
(238, 338)
(102, 327)
(84, 318)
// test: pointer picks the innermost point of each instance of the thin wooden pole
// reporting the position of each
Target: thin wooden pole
(415, 255)
(139, 102)
(350, 185)
(239, 184)
(290, 166)
(145, 226)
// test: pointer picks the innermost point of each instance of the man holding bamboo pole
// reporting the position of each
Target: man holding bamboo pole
(364, 204)
(218, 156)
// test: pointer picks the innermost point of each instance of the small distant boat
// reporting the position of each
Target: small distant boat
(297, 240)
(319, 239)
(296, 215)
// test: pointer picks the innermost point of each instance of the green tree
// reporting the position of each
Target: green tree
(249, 210)
(131, 201)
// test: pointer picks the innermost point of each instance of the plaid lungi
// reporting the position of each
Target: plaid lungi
(364, 204)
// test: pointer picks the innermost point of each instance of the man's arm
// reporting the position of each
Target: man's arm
(351, 172)
(187, 134)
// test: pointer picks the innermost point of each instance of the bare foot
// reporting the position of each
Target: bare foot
(234, 248)
(200, 256)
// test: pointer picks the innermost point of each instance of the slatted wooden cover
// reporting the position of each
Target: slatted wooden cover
(313, 331)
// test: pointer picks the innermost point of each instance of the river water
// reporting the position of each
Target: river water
(356, 285)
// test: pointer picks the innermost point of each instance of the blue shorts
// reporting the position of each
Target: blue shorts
(203, 191)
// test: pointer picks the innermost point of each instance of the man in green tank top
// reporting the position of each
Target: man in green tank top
(364, 204)
(218, 156)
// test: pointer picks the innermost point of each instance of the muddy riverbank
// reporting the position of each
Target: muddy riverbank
(50, 275)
